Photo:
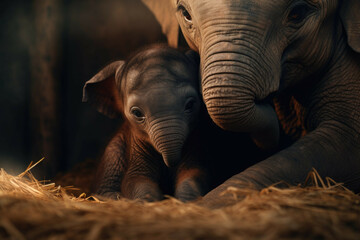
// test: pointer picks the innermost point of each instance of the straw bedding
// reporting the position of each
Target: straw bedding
(30, 209)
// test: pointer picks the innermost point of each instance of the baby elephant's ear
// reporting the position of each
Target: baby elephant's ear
(350, 16)
(102, 91)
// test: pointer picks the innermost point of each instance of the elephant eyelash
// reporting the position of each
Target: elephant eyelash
(185, 13)
(137, 114)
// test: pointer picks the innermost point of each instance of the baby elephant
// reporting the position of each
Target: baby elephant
(156, 94)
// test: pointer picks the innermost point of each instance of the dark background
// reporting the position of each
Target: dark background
(48, 49)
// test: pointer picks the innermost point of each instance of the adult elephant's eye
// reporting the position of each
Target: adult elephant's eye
(299, 13)
(138, 114)
(185, 13)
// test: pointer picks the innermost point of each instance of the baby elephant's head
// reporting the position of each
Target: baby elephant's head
(156, 91)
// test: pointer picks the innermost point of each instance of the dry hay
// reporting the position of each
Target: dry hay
(30, 209)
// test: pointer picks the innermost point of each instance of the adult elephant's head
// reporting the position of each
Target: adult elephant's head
(250, 49)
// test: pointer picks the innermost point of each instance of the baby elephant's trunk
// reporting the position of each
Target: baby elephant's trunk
(168, 137)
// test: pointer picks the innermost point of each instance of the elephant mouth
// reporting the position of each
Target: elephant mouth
(268, 100)
(238, 109)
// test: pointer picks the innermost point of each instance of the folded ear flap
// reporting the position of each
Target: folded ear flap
(350, 16)
(164, 12)
(102, 91)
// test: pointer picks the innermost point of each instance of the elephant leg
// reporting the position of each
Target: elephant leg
(111, 169)
(191, 182)
(142, 178)
(326, 149)
(143, 188)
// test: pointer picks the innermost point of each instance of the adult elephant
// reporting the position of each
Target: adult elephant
(302, 56)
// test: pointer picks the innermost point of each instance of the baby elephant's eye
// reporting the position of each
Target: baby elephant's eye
(138, 114)
(189, 106)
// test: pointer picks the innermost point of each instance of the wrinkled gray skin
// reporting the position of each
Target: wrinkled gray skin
(303, 55)
(156, 93)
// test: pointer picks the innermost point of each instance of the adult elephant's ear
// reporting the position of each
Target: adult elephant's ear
(350, 16)
(102, 91)
(164, 11)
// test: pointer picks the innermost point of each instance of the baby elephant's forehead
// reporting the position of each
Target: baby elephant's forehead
(157, 74)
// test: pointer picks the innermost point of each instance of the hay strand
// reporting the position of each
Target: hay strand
(31, 166)
(30, 209)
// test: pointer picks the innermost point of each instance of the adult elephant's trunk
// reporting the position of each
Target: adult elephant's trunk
(168, 136)
(235, 89)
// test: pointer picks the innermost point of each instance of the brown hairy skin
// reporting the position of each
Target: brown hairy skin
(155, 94)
